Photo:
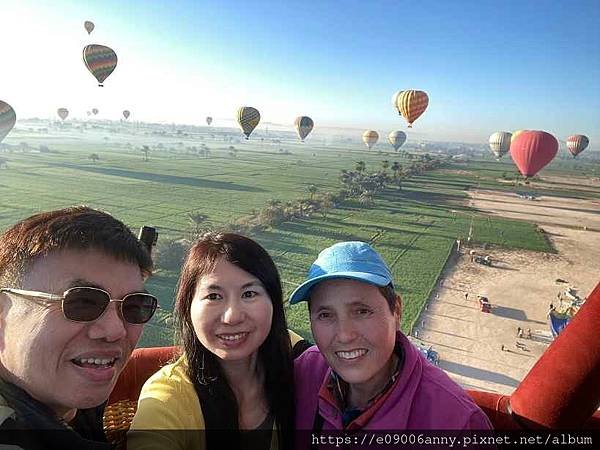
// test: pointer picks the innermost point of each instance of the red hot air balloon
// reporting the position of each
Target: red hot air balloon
(532, 150)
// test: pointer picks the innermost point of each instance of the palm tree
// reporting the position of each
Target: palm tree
(360, 166)
(145, 151)
(94, 157)
(385, 164)
(312, 190)
(366, 198)
(396, 167)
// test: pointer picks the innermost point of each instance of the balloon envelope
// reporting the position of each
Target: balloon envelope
(208, 120)
(62, 113)
(126, 114)
(7, 119)
(411, 104)
(95, 111)
(395, 100)
(397, 138)
(515, 134)
(577, 143)
(370, 138)
(100, 61)
(304, 126)
(500, 143)
(89, 26)
(532, 150)
(248, 118)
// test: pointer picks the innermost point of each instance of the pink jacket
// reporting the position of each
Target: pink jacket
(423, 397)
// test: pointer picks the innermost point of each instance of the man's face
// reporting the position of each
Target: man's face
(50, 356)
(354, 329)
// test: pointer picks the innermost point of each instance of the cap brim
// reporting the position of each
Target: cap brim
(302, 291)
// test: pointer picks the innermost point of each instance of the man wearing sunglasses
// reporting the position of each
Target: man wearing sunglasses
(72, 308)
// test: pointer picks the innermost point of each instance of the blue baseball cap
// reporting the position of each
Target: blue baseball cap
(350, 260)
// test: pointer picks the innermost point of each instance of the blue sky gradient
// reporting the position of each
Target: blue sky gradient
(487, 66)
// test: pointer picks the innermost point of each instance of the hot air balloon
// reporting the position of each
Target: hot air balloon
(411, 104)
(100, 61)
(577, 143)
(89, 113)
(126, 114)
(500, 143)
(304, 126)
(248, 118)
(62, 113)
(370, 138)
(397, 138)
(395, 100)
(532, 150)
(515, 134)
(95, 111)
(89, 26)
(208, 120)
(7, 119)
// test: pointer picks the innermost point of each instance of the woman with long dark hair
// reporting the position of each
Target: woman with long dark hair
(233, 385)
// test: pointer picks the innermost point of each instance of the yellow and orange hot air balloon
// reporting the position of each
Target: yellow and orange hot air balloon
(411, 104)
(515, 134)
(370, 138)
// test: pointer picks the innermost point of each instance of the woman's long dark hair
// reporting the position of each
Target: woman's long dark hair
(274, 354)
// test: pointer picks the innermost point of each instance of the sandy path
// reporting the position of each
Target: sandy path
(520, 287)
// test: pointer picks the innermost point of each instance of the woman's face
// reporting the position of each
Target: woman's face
(231, 312)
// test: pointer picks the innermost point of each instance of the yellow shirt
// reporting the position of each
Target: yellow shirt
(168, 401)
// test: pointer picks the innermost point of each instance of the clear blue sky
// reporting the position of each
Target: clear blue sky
(486, 65)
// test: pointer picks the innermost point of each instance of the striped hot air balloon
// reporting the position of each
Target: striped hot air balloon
(500, 143)
(577, 143)
(89, 26)
(126, 114)
(370, 137)
(8, 119)
(395, 100)
(100, 61)
(411, 104)
(62, 113)
(532, 151)
(304, 126)
(208, 120)
(248, 118)
(397, 138)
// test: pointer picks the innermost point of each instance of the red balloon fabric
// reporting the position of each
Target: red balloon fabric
(532, 150)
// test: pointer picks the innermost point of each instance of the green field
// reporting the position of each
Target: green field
(414, 228)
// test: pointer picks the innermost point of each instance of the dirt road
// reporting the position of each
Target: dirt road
(482, 350)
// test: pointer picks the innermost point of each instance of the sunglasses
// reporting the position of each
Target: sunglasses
(86, 304)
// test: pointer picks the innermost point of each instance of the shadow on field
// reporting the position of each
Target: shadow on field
(161, 178)
(479, 374)
(509, 313)
(280, 244)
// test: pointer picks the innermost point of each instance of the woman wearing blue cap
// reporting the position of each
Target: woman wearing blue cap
(365, 374)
